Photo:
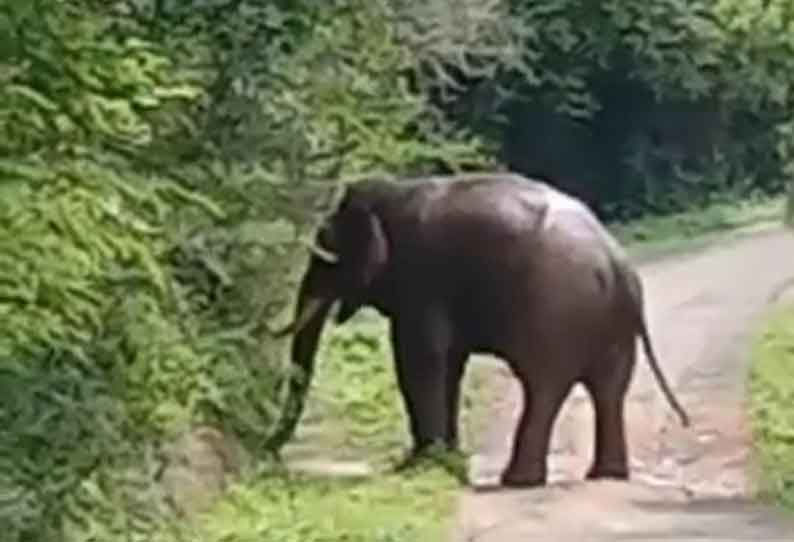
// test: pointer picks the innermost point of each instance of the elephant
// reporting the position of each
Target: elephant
(488, 263)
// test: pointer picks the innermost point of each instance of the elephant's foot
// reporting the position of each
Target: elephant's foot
(410, 460)
(425, 452)
(515, 477)
(617, 470)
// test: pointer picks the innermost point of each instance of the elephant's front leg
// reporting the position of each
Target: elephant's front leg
(423, 344)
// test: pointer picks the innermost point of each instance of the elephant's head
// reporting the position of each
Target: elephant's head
(353, 252)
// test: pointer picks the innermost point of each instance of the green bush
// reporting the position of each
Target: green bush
(99, 358)
(640, 106)
(156, 190)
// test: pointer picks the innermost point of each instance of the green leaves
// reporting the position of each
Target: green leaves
(160, 165)
(81, 233)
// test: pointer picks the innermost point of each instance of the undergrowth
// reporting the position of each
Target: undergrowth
(354, 413)
(771, 400)
(355, 387)
(413, 507)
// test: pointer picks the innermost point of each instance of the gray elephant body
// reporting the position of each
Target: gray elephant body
(486, 263)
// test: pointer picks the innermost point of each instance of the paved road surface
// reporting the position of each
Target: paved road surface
(688, 484)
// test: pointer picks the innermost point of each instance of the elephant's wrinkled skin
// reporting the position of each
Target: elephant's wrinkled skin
(486, 263)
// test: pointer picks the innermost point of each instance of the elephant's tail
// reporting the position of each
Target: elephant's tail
(634, 286)
(657, 372)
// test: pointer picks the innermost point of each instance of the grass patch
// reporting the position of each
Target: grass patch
(355, 413)
(659, 236)
(355, 409)
(772, 406)
(412, 507)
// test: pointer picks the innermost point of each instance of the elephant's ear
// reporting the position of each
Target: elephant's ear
(363, 245)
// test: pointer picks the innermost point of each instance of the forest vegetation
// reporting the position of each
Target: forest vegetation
(163, 164)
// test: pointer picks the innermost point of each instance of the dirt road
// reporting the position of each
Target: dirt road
(688, 484)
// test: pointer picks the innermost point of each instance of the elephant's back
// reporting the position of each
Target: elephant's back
(575, 256)
(496, 245)
(544, 258)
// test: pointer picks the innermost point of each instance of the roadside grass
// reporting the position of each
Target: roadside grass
(771, 390)
(279, 507)
(355, 410)
(656, 237)
(355, 416)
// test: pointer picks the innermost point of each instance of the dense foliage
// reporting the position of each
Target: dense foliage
(93, 359)
(163, 164)
(644, 106)
(158, 171)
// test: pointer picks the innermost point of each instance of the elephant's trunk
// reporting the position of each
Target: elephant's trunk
(311, 313)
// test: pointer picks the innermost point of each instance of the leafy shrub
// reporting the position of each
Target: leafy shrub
(97, 359)
(155, 190)
(625, 102)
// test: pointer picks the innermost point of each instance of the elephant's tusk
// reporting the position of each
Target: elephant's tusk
(325, 255)
(322, 253)
(309, 311)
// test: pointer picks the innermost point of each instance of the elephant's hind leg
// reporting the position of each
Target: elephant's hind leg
(542, 402)
(608, 384)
